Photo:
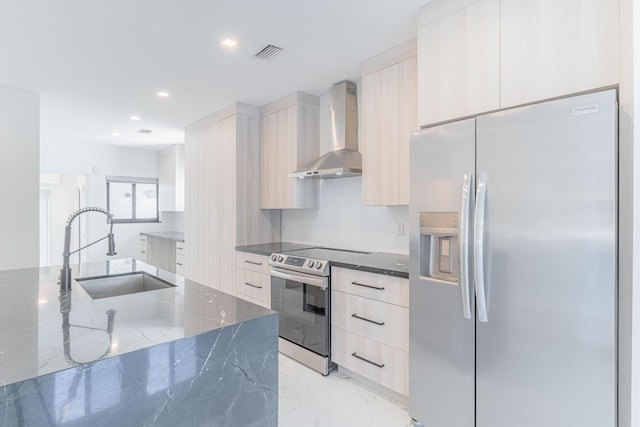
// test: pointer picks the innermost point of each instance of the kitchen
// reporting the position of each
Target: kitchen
(379, 229)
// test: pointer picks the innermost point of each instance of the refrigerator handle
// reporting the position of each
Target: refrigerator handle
(478, 249)
(467, 185)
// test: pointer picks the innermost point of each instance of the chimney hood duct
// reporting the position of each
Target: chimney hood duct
(344, 160)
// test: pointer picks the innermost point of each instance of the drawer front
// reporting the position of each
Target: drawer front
(179, 257)
(394, 290)
(253, 262)
(143, 248)
(383, 364)
(385, 323)
(254, 285)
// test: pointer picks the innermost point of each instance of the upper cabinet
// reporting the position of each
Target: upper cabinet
(459, 62)
(289, 137)
(482, 55)
(171, 178)
(550, 48)
(389, 105)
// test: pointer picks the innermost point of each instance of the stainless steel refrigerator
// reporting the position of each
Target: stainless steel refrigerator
(513, 240)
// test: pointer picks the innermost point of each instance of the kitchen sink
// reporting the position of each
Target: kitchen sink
(122, 284)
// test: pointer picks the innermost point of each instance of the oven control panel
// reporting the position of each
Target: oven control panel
(305, 265)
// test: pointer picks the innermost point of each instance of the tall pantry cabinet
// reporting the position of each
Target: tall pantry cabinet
(222, 195)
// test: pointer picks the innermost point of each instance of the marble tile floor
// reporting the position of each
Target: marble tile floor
(308, 399)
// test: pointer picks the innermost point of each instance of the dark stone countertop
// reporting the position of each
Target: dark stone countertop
(178, 236)
(267, 249)
(32, 332)
(375, 262)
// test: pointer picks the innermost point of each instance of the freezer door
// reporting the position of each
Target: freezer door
(546, 356)
(441, 356)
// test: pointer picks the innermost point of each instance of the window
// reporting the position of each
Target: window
(132, 199)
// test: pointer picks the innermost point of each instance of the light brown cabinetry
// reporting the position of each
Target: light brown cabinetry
(481, 55)
(370, 326)
(221, 198)
(143, 248)
(550, 48)
(289, 137)
(389, 104)
(180, 258)
(171, 178)
(253, 279)
(458, 59)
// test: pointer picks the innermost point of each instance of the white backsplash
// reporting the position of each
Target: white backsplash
(173, 221)
(341, 221)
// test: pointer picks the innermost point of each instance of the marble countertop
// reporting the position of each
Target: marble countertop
(375, 262)
(33, 312)
(171, 235)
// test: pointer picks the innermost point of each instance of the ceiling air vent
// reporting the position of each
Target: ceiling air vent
(144, 131)
(268, 52)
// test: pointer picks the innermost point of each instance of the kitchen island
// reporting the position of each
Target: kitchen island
(183, 355)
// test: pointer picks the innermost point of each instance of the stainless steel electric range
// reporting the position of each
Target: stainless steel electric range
(301, 293)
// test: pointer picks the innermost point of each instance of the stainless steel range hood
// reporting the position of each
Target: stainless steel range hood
(344, 160)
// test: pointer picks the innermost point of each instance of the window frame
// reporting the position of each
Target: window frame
(133, 181)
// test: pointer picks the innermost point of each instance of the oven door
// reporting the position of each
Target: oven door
(302, 300)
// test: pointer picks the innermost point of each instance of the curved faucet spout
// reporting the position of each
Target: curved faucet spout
(65, 272)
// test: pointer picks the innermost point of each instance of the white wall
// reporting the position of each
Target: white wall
(342, 221)
(19, 177)
(81, 159)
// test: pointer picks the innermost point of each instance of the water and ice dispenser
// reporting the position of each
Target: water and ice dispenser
(439, 254)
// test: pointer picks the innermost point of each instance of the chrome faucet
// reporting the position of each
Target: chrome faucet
(65, 271)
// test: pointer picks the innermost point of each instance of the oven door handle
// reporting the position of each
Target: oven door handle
(320, 282)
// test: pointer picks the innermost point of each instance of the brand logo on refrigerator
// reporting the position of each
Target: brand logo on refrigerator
(587, 109)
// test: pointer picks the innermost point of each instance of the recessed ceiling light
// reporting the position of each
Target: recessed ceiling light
(115, 134)
(134, 118)
(163, 94)
(229, 43)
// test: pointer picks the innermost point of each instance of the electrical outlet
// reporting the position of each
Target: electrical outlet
(400, 229)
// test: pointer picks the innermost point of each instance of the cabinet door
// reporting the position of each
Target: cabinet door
(380, 137)
(459, 63)
(288, 138)
(166, 178)
(407, 121)
(171, 178)
(550, 48)
(268, 159)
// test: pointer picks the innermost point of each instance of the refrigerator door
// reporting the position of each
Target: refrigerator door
(546, 355)
(441, 357)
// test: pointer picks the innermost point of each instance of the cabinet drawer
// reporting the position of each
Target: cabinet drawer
(385, 323)
(179, 246)
(391, 289)
(254, 285)
(383, 364)
(253, 262)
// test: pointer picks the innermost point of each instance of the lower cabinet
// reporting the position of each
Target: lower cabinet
(253, 278)
(369, 335)
(143, 248)
(166, 254)
(179, 258)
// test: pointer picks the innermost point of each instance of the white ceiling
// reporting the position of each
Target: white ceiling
(96, 63)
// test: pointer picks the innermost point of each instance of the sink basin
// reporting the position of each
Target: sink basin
(123, 284)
